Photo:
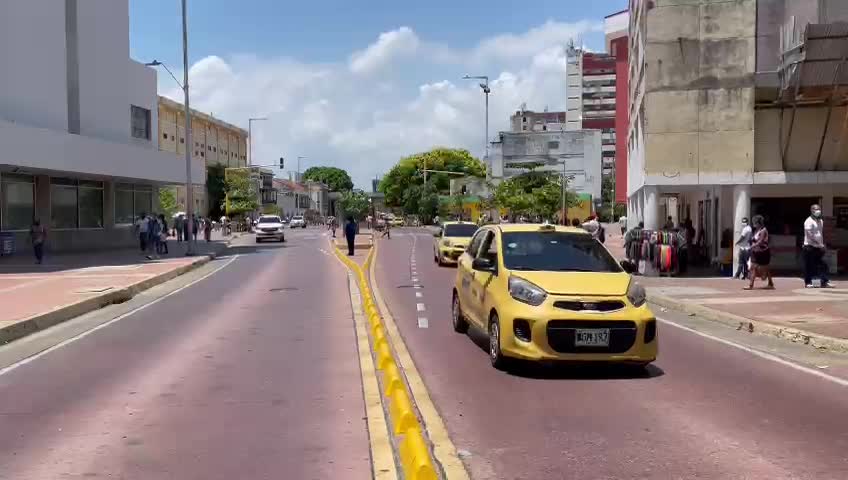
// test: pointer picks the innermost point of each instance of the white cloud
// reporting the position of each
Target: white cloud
(336, 114)
(389, 46)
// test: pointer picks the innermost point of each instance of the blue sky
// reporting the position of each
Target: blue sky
(359, 84)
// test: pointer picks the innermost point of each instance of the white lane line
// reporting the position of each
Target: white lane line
(423, 322)
(110, 322)
(414, 279)
(767, 356)
(420, 307)
(416, 286)
(418, 295)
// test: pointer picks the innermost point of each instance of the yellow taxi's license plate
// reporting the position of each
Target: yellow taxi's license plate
(591, 337)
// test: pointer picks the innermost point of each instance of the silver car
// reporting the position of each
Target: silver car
(269, 227)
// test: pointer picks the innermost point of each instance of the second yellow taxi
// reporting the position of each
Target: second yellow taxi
(544, 292)
(451, 241)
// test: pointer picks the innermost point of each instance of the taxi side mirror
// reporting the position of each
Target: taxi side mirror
(628, 266)
(483, 264)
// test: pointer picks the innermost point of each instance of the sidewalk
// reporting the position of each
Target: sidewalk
(817, 317)
(35, 297)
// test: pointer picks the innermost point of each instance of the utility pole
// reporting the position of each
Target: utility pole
(189, 185)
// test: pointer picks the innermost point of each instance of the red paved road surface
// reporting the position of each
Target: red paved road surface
(224, 380)
(708, 411)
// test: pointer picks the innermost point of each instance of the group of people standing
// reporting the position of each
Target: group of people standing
(153, 232)
(755, 252)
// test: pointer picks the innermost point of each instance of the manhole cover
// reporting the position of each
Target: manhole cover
(284, 289)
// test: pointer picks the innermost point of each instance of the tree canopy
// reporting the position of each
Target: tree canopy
(168, 201)
(241, 192)
(403, 185)
(534, 193)
(354, 203)
(335, 178)
(216, 189)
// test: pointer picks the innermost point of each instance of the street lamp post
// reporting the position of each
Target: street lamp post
(486, 91)
(188, 184)
(250, 137)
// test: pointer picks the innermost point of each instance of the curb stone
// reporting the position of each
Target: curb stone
(794, 335)
(67, 312)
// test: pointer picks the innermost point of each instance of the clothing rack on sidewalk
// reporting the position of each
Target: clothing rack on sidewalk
(655, 251)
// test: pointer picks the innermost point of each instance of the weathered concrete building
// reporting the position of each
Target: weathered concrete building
(738, 108)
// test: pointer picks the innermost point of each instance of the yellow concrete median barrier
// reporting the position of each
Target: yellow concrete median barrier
(379, 337)
(392, 380)
(400, 409)
(384, 356)
(415, 457)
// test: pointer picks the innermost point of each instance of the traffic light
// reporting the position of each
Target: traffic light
(282, 162)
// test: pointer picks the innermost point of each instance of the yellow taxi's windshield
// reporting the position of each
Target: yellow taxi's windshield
(460, 230)
(556, 251)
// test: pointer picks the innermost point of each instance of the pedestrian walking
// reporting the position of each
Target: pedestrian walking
(163, 235)
(154, 229)
(814, 249)
(333, 225)
(622, 223)
(179, 226)
(207, 230)
(141, 229)
(387, 232)
(760, 254)
(37, 236)
(350, 235)
(592, 226)
(744, 244)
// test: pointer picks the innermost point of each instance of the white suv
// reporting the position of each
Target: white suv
(297, 221)
(269, 227)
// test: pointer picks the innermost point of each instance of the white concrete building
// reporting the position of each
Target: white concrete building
(579, 151)
(78, 125)
(737, 108)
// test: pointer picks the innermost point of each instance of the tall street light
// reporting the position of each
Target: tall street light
(250, 137)
(188, 185)
(486, 91)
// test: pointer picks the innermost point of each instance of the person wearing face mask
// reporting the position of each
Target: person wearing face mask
(744, 243)
(814, 249)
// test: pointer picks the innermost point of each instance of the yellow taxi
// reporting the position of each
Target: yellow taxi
(545, 292)
(451, 241)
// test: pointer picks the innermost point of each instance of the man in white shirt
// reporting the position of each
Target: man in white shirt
(141, 227)
(814, 249)
(622, 222)
(744, 243)
(592, 226)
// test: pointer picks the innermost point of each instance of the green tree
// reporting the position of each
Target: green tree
(241, 192)
(607, 193)
(534, 193)
(336, 179)
(216, 189)
(428, 205)
(168, 201)
(354, 203)
(406, 178)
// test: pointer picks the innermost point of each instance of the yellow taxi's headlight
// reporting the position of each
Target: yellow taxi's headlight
(636, 294)
(526, 292)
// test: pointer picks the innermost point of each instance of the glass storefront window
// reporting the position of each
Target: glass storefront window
(131, 201)
(17, 201)
(63, 206)
(90, 207)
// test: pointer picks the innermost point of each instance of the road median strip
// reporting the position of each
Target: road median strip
(413, 450)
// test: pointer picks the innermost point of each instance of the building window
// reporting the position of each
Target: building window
(215, 149)
(182, 140)
(165, 136)
(131, 201)
(202, 153)
(76, 203)
(172, 137)
(140, 122)
(17, 201)
(209, 147)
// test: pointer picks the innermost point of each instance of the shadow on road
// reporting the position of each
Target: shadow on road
(571, 370)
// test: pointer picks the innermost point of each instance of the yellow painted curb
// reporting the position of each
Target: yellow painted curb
(415, 457)
(444, 450)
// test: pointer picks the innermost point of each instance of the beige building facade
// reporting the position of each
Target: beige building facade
(725, 122)
(214, 141)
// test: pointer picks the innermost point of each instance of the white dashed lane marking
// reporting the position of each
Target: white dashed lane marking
(420, 307)
(418, 295)
(423, 322)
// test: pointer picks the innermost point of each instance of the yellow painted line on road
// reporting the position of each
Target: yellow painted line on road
(443, 448)
(382, 456)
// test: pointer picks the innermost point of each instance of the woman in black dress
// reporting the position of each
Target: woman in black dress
(760, 254)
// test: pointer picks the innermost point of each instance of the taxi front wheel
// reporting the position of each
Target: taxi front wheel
(460, 325)
(496, 356)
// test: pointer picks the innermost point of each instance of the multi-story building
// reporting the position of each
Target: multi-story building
(215, 142)
(591, 98)
(78, 123)
(615, 30)
(737, 108)
(529, 121)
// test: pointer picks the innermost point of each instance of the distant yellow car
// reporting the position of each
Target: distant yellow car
(544, 292)
(452, 240)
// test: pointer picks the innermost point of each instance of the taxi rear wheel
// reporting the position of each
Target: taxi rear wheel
(496, 356)
(460, 325)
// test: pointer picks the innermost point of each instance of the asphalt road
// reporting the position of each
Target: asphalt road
(251, 373)
(705, 410)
